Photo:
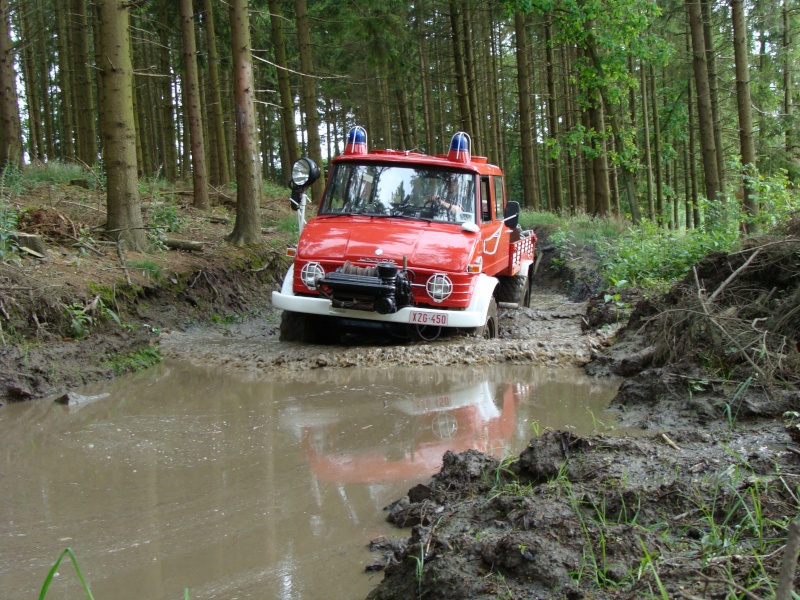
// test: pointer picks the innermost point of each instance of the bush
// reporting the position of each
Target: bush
(649, 255)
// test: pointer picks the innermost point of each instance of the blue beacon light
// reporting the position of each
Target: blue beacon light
(460, 148)
(356, 141)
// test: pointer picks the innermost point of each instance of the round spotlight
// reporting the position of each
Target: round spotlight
(439, 287)
(310, 273)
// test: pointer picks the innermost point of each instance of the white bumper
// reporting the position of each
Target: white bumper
(473, 316)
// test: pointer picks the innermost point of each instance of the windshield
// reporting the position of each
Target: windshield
(400, 191)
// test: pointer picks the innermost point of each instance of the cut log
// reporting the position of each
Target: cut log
(189, 245)
(33, 244)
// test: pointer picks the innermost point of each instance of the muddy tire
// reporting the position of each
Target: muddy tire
(526, 291)
(514, 290)
(489, 330)
(309, 329)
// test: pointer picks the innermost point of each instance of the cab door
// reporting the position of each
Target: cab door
(495, 236)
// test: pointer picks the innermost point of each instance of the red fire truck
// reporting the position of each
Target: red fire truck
(405, 242)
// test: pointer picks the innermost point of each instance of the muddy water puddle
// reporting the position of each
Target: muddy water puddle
(242, 486)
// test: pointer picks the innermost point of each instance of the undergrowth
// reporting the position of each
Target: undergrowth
(652, 256)
(85, 586)
(136, 361)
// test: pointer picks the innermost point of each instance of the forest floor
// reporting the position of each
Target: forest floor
(696, 506)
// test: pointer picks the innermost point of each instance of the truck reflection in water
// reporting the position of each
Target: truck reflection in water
(481, 417)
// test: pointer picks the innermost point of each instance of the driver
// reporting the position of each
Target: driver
(448, 197)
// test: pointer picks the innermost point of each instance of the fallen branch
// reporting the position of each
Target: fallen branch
(100, 210)
(667, 439)
(723, 330)
(742, 590)
(733, 276)
(121, 257)
(786, 577)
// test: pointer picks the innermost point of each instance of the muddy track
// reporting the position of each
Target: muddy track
(547, 334)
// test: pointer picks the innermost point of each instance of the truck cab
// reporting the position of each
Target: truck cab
(405, 241)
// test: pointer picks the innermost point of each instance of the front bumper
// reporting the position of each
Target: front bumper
(473, 316)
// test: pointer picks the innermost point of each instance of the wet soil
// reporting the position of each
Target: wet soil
(696, 507)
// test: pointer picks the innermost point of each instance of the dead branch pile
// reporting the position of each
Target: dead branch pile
(29, 303)
(736, 313)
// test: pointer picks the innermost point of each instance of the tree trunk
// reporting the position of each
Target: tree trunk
(690, 106)
(788, 91)
(10, 130)
(67, 129)
(525, 111)
(85, 112)
(705, 115)
(554, 166)
(602, 188)
(472, 80)
(28, 64)
(247, 229)
(743, 101)
(425, 82)
(193, 108)
(588, 168)
(43, 79)
(657, 147)
(627, 169)
(309, 92)
(713, 84)
(401, 93)
(648, 159)
(119, 136)
(284, 88)
(491, 89)
(167, 105)
(461, 72)
(215, 106)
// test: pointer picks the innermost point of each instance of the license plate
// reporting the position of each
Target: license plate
(425, 318)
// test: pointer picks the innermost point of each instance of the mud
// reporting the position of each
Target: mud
(697, 507)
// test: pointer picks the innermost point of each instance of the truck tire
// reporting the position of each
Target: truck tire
(515, 290)
(489, 329)
(526, 290)
(309, 329)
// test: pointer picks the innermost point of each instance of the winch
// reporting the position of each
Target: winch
(383, 288)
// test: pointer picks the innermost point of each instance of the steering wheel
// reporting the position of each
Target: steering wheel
(439, 205)
(435, 205)
(405, 207)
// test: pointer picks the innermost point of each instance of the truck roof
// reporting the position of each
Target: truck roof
(459, 157)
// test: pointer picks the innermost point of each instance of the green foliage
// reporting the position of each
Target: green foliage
(136, 361)
(8, 223)
(10, 182)
(777, 197)
(10, 186)
(650, 256)
(68, 552)
(226, 319)
(57, 172)
(49, 579)
(148, 267)
(83, 318)
(276, 191)
(165, 215)
(286, 225)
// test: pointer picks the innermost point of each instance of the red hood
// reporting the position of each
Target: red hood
(440, 247)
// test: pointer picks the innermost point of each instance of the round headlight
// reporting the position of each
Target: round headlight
(439, 287)
(304, 172)
(310, 273)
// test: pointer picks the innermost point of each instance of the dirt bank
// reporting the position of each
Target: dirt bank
(697, 506)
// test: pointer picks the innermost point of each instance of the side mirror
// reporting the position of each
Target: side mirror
(304, 173)
(511, 214)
